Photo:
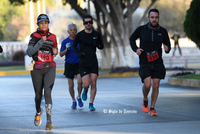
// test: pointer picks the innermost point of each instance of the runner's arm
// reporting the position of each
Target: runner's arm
(75, 44)
(1, 50)
(133, 38)
(100, 42)
(62, 53)
(55, 47)
(63, 49)
(33, 49)
(166, 42)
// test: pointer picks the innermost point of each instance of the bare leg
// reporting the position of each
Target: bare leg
(86, 82)
(79, 81)
(93, 87)
(155, 92)
(146, 87)
(71, 88)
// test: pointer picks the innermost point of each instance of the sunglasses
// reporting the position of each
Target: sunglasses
(90, 22)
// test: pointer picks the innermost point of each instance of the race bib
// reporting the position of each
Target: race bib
(44, 56)
(152, 56)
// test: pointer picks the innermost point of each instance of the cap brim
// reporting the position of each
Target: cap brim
(42, 20)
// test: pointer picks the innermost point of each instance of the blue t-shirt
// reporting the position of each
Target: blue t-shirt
(71, 56)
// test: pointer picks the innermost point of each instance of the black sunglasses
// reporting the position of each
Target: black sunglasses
(90, 22)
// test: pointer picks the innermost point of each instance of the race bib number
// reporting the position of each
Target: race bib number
(44, 56)
(152, 56)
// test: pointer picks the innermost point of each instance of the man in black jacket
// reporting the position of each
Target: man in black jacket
(152, 36)
(89, 40)
(1, 50)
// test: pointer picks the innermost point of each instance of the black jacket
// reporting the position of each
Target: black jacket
(1, 50)
(150, 41)
(88, 43)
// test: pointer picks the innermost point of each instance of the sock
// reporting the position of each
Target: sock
(151, 108)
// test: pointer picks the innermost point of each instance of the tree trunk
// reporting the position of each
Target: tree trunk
(106, 58)
(118, 15)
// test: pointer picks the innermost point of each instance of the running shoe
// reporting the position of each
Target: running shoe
(49, 125)
(91, 107)
(181, 57)
(84, 95)
(38, 119)
(153, 112)
(80, 103)
(145, 107)
(74, 105)
(174, 57)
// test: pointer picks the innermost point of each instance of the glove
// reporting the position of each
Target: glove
(68, 46)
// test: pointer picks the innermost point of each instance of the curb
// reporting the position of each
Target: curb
(171, 81)
(5, 73)
(101, 75)
(184, 82)
(125, 74)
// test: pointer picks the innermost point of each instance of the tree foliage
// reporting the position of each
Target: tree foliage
(192, 22)
(19, 2)
(8, 11)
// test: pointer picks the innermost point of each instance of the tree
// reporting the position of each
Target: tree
(192, 22)
(7, 13)
(19, 2)
(114, 22)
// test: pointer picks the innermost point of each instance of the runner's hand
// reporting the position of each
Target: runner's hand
(166, 48)
(55, 51)
(139, 51)
(44, 38)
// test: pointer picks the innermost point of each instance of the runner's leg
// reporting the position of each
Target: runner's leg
(37, 80)
(86, 82)
(93, 87)
(71, 88)
(49, 79)
(155, 91)
(146, 87)
(79, 82)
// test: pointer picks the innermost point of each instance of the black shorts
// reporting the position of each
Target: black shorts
(153, 70)
(71, 70)
(87, 69)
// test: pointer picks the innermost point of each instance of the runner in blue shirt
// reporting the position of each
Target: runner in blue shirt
(72, 64)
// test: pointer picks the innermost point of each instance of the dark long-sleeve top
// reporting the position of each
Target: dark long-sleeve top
(37, 44)
(1, 50)
(151, 42)
(88, 43)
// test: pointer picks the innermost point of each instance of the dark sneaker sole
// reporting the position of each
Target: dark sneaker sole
(152, 114)
(80, 105)
(49, 126)
(92, 109)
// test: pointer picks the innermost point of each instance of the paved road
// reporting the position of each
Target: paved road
(118, 109)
